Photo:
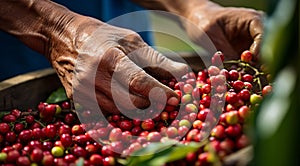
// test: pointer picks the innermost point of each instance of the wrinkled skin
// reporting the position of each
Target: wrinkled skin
(121, 54)
(232, 30)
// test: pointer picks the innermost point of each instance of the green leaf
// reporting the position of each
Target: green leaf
(80, 162)
(57, 96)
(161, 153)
(2, 113)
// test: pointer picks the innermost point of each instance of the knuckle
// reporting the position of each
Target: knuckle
(139, 81)
(140, 102)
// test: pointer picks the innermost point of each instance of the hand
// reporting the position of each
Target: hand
(232, 30)
(112, 59)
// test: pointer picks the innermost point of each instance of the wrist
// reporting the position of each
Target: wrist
(65, 32)
(183, 8)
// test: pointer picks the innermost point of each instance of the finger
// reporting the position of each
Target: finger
(123, 99)
(222, 43)
(107, 106)
(157, 64)
(90, 101)
(139, 82)
(106, 83)
(211, 37)
(256, 31)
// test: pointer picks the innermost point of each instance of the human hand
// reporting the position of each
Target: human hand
(108, 62)
(232, 30)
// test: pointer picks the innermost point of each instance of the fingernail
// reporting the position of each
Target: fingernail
(173, 101)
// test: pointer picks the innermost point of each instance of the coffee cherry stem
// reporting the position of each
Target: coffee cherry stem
(43, 125)
(103, 142)
(258, 82)
(243, 64)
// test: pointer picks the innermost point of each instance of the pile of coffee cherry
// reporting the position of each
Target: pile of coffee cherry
(216, 104)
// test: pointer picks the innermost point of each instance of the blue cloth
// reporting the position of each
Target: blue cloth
(16, 58)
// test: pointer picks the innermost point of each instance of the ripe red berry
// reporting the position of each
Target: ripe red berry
(107, 150)
(197, 124)
(81, 139)
(70, 158)
(218, 132)
(33, 144)
(244, 112)
(4, 128)
(36, 133)
(192, 134)
(191, 80)
(238, 85)
(202, 75)
(188, 88)
(25, 136)
(172, 132)
(23, 161)
(242, 141)
(77, 130)
(234, 75)
(217, 58)
(50, 131)
(246, 56)
(48, 160)
(91, 149)
(178, 85)
(66, 105)
(206, 88)
(11, 136)
(64, 129)
(227, 145)
(231, 97)
(136, 130)
(9, 118)
(182, 130)
(47, 145)
(126, 125)
(233, 130)
(266, 90)
(244, 94)
(154, 136)
(213, 70)
(17, 146)
(96, 159)
(109, 161)
(191, 157)
(247, 78)
(66, 140)
(115, 134)
(205, 101)
(16, 113)
(148, 124)
(12, 156)
(248, 85)
(29, 119)
(36, 155)
(69, 118)
(232, 117)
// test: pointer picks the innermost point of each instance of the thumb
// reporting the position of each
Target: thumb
(156, 64)
(256, 31)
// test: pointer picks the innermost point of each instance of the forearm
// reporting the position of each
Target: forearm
(35, 22)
